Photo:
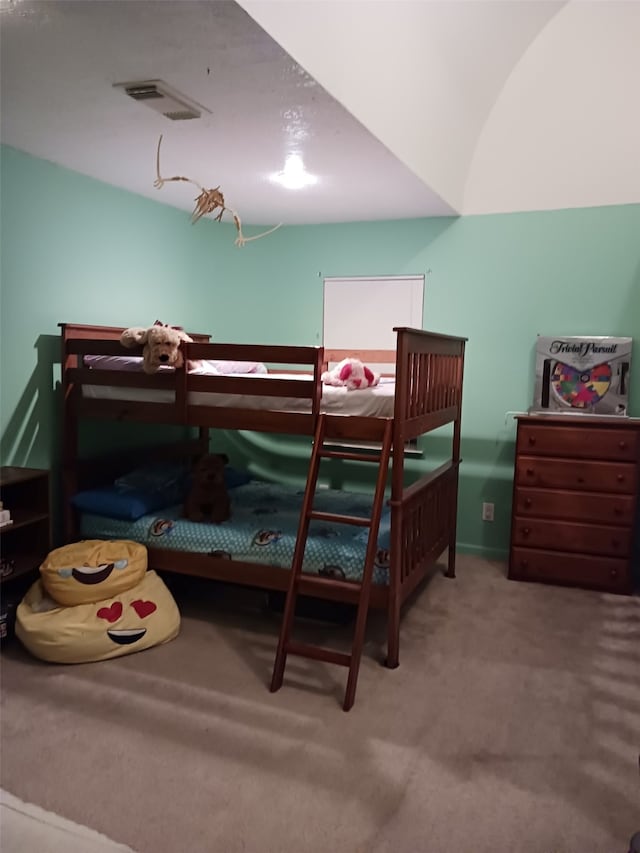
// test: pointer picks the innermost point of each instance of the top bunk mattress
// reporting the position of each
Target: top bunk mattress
(377, 402)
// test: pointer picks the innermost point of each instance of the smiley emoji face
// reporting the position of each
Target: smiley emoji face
(137, 619)
(113, 613)
(92, 570)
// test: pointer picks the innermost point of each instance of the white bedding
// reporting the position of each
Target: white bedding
(370, 402)
(134, 363)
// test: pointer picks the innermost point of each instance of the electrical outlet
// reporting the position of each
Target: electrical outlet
(487, 512)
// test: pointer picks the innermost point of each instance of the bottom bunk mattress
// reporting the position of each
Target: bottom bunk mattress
(262, 529)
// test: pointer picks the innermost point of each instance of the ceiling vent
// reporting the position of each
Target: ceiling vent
(156, 95)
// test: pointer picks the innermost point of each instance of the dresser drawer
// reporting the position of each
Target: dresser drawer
(618, 445)
(575, 506)
(617, 477)
(572, 536)
(528, 564)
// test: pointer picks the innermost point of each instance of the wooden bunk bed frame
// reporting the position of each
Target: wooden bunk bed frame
(428, 394)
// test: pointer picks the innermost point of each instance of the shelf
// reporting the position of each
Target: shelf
(25, 564)
(22, 518)
(27, 540)
(12, 474)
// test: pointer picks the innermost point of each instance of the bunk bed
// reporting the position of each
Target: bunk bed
(426, 393)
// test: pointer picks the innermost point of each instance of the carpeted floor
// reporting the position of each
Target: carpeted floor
(511, 726)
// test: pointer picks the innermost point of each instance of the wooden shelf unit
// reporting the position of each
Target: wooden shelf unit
(575, 501)
(25, 492)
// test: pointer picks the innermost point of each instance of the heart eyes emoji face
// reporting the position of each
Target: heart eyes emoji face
(143, 608)
(133, 620)
(126, 636)
(111, 614)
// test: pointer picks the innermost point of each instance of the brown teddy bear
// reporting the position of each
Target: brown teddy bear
(161, 346)
(208, 499)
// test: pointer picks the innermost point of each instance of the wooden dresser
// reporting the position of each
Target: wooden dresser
(575, 501)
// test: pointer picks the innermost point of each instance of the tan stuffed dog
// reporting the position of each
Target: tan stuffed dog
(208, 499)
(161, 346)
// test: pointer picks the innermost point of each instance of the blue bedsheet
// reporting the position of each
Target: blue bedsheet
(262, 529)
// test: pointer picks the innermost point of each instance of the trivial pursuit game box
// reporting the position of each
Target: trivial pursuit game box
(582, 375)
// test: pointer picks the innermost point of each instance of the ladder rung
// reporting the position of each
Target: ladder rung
(305, 650)
(343, 519)
(344, 454)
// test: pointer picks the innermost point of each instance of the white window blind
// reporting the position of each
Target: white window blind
(360, 313)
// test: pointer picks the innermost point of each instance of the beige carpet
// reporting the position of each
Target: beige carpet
(511, 726)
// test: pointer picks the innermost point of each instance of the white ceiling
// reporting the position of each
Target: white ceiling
(498, 105)
(60, 59)
(487, 105)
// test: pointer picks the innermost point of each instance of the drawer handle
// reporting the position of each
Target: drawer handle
(620, 478)
(530, 472)
(617, 510)
(525, 531)
(581, 479)
(524, 564)
(532, 440)
(615, 543)
(622, 445)
(527, 502)
(614, 573)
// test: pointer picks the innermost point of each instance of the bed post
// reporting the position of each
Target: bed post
(69, 441)
(455, 455)
(397, 486)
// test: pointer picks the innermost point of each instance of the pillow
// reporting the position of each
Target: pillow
(237, 366)
(113, 502)
(166, 478)
(146, 489)
(113, 362)
(134, 363)
(173, 480)
(233, 477)
(125, 362)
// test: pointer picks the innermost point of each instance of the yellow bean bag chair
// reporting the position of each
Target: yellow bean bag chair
(92, 570)
(137, 619)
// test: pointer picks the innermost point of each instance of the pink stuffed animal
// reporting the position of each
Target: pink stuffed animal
(352, 373)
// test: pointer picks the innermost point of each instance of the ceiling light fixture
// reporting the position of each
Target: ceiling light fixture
(294, 176)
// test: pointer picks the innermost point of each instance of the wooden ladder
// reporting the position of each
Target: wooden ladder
(286, 645)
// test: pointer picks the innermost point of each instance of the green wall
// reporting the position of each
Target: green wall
(76, 250)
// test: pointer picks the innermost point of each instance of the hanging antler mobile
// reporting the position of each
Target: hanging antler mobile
(207, 202)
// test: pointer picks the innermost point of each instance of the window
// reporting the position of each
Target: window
(361, 313)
